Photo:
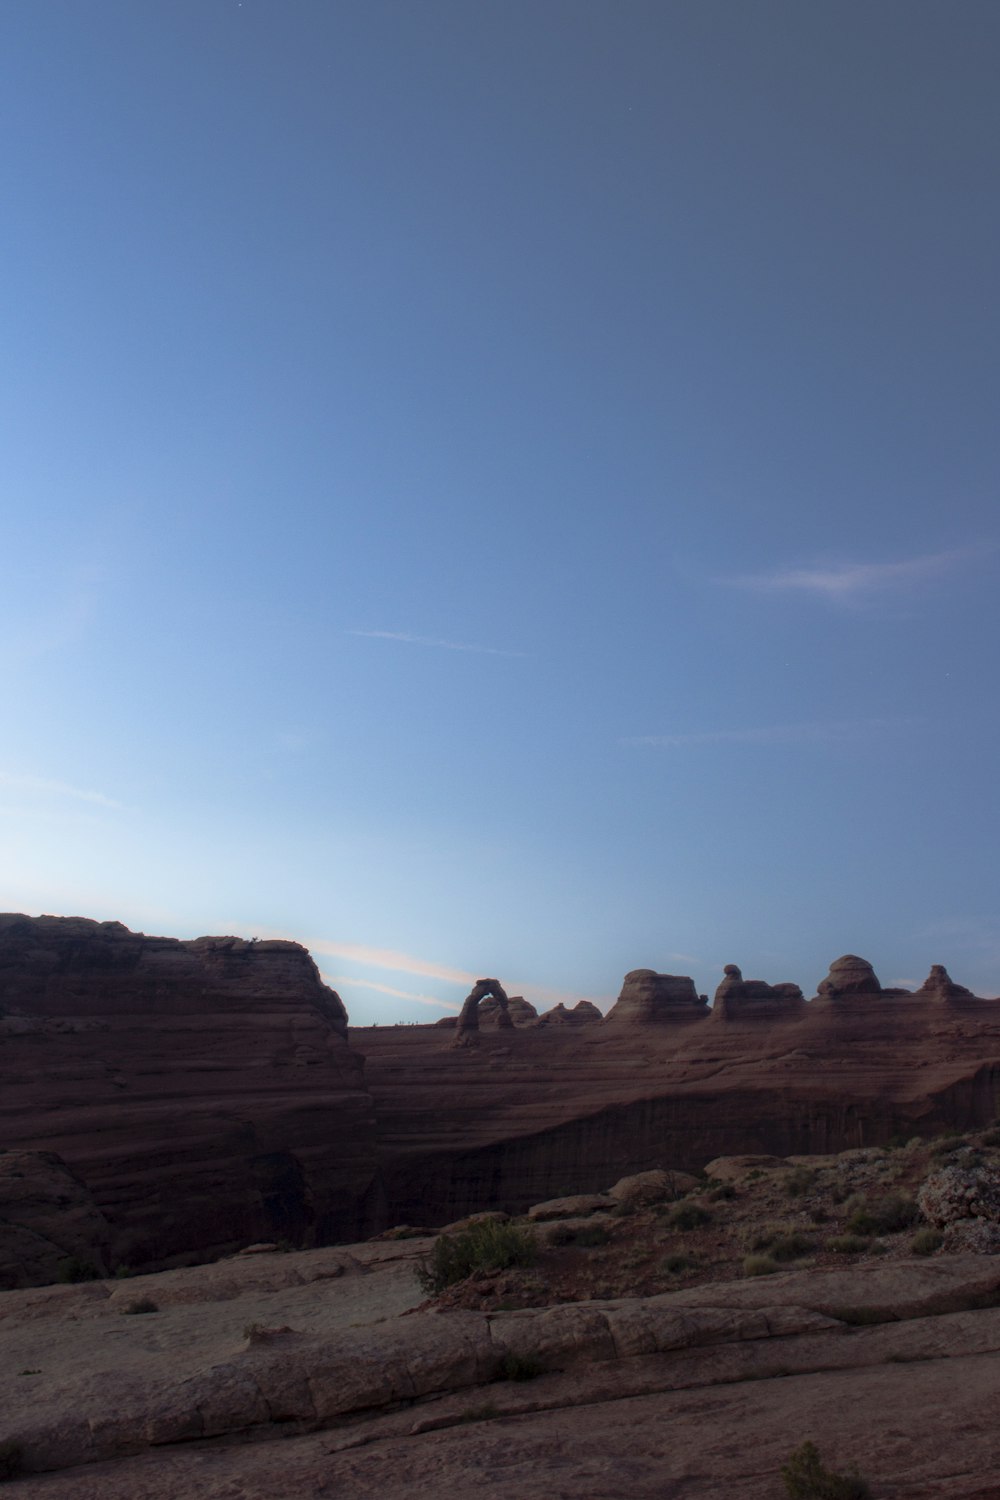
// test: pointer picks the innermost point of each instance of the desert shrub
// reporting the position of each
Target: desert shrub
(122, 1273)
(992, 1137)
(688, 1216)
(760, 1265)
(799, 1181)
(589, 1235)
(521, 1367)
(818, 1214)
(673, 1265)
(11, 1459)
(926, 1241)
(141, 1305)
(74, 1269)
(947, 1143)
(848, 1244)
(790, 1246)
(721, 1191)
(806, 1478)
(888, 1215)
(488, 1246)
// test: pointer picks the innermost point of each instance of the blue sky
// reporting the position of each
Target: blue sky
(505, 488)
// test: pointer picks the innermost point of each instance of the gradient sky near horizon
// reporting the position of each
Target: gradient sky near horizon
(505, 488)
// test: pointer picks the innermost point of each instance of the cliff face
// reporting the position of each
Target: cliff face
(544, 1111)
(204, 1092)
(171, 1101)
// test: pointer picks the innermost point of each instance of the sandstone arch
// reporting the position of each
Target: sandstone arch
(468, 1020)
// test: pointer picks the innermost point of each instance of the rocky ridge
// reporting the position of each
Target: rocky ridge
(885, 1358)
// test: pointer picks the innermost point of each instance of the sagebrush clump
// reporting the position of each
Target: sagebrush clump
(806, 1478)
(489, 1246)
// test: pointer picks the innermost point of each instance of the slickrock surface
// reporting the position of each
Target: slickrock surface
(203, 1092)
(701, 1394)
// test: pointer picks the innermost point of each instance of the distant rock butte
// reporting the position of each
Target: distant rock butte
(648, 998)
(181, 1099)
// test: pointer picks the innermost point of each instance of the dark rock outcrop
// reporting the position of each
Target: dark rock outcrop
(49, 1222)
(849, 976)
(583, 1013)
(468, 1019)
(520, 1011)
(739, 999)
(203, 1092)
(648, 998)
(939, 985)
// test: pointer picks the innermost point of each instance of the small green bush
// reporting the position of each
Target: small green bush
(590, 1235)
(760, 1265)
(848, 1244)
(799, 1181)
(992, 1137)
(11, 1459)
(141, 1305)
(521, 1367)
(673, 1265)
(722, 1191)
(889, 1215)
(688, 1216)
(74, 1269)
(806, 1478)
(926, 1241)
(488, 1246)
(790, 1246)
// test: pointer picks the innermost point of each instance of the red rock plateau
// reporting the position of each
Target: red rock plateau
(191, 1097)
(186, 1098)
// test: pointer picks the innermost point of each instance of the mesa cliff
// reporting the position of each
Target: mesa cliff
(183, 1098)
(166, 1101)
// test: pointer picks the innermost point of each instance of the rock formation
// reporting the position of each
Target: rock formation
(520, 1011)
(648, 998)
(739, 999)
(583, 1013)
(204, 1093)
(849, 976)
(468, 1020)
(939, 985)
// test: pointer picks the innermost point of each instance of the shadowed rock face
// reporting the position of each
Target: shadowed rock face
(583, 1013)
(849, 976)
(204, 1092)
(939, 985)
(468, 1020)
(648, 998)
(520, 1011)
(739, 999)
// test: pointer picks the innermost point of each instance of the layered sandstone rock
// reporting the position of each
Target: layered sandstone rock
(939, 985)
(849, 977)
(583, 1013)
(739, 999)
(203, 1092)
(648, 998)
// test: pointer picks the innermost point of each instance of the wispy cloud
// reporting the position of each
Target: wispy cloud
(41, 786)
(387, 989)
(840, 731)
(385, 958)
(856, 582)
(426, 640)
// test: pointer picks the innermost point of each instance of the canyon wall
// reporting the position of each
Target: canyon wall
(203, 1093)
(165, 1101)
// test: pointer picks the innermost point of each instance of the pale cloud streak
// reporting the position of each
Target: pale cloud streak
(385, 958)
(856, 582)
(426, 640)
(387, 989)
(40, 786)
(843, 731)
